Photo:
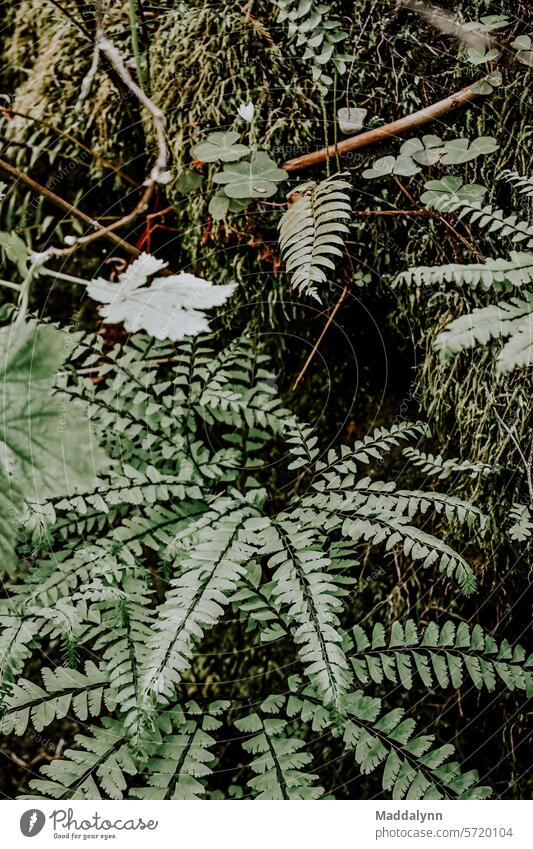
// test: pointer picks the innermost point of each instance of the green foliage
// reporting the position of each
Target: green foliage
(521, 517)
(524, 49)
(41, 434)
(278, 758)
(508, 322)
(182, 761)
(385, 740)
(314, 26)
(196, 511)
(220, 147)
(242, 180)
(442, 468)
(427, 151)
(96, 769)
(221, 545)
(310, 233)
(255, 178)
(65, 691)
(440, 656)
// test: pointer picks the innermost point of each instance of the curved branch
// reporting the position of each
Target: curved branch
(402, 125)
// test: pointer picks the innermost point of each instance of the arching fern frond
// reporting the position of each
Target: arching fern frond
(440, 655)
(182, 759)
(209, 572)
(511, 321)
(125, 632)
(499, 275)
(411, 767)
(436, 466)
(310, 233)
(279, 758)
(306, 591)
(99, 765)
(523, 185)
(65, 691)
(494, 220)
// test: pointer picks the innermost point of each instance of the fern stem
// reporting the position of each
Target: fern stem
(325, 126)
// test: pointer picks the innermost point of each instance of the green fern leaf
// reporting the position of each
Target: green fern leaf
(310, 233)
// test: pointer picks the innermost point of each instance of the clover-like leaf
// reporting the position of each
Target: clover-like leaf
(257, 178)
(380, 168)
(524, 49)
(220, 147)
(171, 308)
(46, 445)
(461, 150)
(404, 166)
(429, 151)
(449, 190)
(479, 55)
(219, 205)
(488, 83)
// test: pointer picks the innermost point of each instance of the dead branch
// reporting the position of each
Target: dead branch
(395, 128)
(66, 207)
(159, 173)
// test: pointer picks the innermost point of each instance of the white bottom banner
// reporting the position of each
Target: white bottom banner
(269, 825)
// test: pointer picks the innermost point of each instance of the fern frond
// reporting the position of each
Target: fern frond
(417, 544)
(209, 573)
(181, 762)
(512, 320)
(521, 517)
(438, 467)
(17, 635)
(493, 220)
(125, 632)
(375, 446)
(310, 233)
(308, 594)
(523, 185)
(65, 691)
(301, 444)
(279, 759)
(256, 606)
(342, 495)
(411, 768)
(441, 656)
(100, 763)
(499, 275)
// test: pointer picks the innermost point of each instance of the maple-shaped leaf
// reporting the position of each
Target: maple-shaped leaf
(170, 308)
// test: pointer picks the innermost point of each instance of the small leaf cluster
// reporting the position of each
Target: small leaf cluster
(247, 174)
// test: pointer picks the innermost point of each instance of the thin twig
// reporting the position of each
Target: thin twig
(71, 18)
(319, 340)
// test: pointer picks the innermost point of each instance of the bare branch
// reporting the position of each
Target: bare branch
(402, 125)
